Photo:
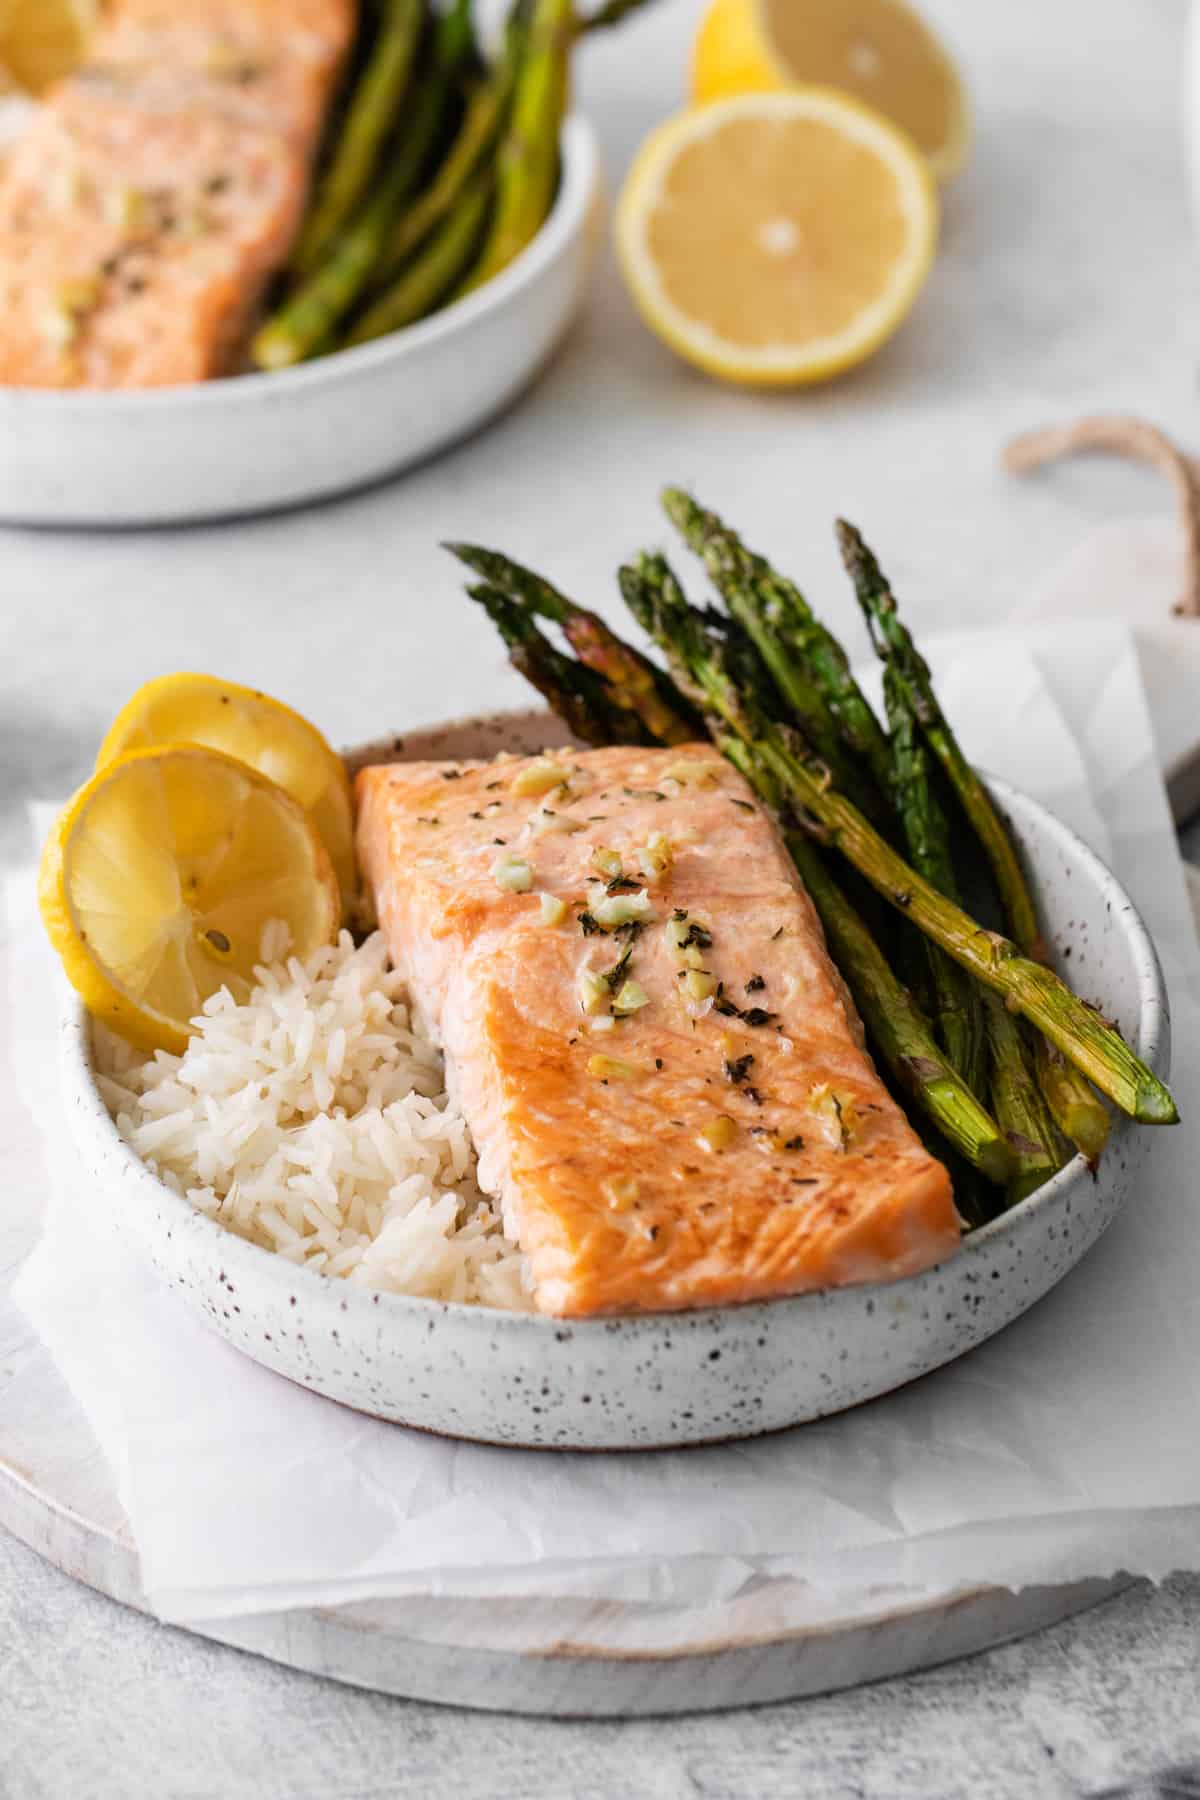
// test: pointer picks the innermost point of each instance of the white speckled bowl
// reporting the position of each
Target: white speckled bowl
(253, 442)
(662, 1379)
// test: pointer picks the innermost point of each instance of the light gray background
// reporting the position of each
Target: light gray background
(1067, 282)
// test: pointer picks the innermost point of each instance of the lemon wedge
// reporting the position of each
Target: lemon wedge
(43, 40)
(158, 879)
(777, 239)
(879, 51)
(266, 734)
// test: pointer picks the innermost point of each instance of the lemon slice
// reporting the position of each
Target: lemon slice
(199, 709)
(159, 877)
(880, 51)
(43, 40)
(779, 238)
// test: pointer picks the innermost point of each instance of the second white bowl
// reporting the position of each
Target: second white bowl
(250, 443)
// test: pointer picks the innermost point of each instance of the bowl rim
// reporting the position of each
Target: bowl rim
(1151, 1041)
(568, 216)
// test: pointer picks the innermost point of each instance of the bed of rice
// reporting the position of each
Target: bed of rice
(313, 1120)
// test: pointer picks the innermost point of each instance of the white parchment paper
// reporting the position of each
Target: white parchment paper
(1067, 1447)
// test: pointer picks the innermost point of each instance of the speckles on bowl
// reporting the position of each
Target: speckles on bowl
(654, 1381)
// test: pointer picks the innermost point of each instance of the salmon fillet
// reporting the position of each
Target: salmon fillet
(727, 1138)
(152, 198)
(262, 62)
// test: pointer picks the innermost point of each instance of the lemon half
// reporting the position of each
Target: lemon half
(879, 51)
(777, 238)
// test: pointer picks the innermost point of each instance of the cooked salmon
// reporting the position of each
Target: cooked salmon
(263, 62)
(663, 1074)
(148, 204)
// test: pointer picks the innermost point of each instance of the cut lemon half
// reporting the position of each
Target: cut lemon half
(41, 41)
(159, 878)
(199, 709)
(777, 238)
(879, 51)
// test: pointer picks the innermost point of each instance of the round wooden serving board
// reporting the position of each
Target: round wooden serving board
(558, 1658)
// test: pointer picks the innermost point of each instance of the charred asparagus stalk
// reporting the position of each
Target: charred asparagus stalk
(957, 1011)
(527, 164)
(1018, 1102)
(431, 275)
(371, 116)
(484, 116)
(308, 319)
(699, 659)
(582, 699)
(1078, 1112)
(614, 12)
(471, 144)
(897, 1028)
(974, 1026)
(808, 664)
(638, 684)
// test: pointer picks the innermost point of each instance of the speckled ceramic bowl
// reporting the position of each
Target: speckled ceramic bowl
(249, 443)
(664, 1379)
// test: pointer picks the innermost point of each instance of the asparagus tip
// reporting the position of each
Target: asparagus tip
(850, 541)
(1155, 1105)
(273, 350)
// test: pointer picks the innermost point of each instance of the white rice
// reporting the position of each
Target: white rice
(313, 1120)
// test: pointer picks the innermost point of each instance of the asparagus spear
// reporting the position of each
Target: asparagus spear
(457, 44)
(304, 325)
(638, 684)
(371, 116)
(580, 697)
(957, 1010)
(471, 144)
(897, 1027)
(431, 275)
(484, 116)
(698, 658)
(974, 1026)
(527, 165)
(1018, 1102)
(486, 110)
(809, 665)
(614, 12)
(457, 39)
(1078, 1112)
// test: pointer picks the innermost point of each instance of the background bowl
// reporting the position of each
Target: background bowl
(659, 1379)
(252, 442)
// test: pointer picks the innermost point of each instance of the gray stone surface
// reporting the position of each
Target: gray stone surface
(97, 1702)
(1066, 283)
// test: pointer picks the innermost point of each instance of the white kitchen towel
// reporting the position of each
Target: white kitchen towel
(1064, 1448)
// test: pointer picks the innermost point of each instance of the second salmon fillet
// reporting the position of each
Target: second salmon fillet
(158, 190)
(663, 1074)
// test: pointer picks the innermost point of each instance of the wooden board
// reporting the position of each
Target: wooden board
(562, 1658)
